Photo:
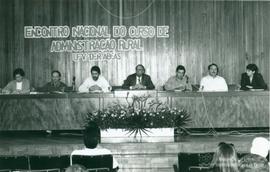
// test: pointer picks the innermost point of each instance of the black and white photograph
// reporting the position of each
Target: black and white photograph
(134, 85)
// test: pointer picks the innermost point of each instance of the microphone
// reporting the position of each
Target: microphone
(187, 78)
(73, 83)
(202, 88)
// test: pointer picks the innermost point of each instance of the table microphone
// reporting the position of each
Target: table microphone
(187, 78)
(73, 83)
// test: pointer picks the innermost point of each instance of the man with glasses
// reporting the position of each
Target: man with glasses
(138, 80)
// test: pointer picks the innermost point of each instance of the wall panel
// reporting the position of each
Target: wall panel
(229, 33)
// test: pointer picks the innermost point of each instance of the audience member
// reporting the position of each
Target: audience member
(225, 159)
(253, 163)
(76, 168)
(260, 146)
(91, 141)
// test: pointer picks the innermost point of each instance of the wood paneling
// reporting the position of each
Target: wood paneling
(229, 33)
(68, 111)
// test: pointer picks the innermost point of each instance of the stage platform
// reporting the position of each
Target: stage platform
(132, 155)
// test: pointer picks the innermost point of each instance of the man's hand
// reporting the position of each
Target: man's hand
(139, 87)
(17, 92)
(5, 91)
(95, 88)
(182, 87)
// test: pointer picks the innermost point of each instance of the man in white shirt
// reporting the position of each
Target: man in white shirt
(91, 138)
(95, 83)
(213, 82)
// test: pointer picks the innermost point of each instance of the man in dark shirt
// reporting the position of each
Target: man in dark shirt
(55, 85)
(138, 80)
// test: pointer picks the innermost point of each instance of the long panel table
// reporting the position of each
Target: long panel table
(68, 111)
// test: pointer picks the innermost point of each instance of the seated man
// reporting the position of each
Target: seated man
(213, 82)
(55, 84)
(178, 82)
(251, 79)
(95, 83)
(138, 80)
(91, 140)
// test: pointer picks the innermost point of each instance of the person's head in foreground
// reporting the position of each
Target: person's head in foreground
(91, 136)
(225, 159)
(253, 163)
(76, 168)
(260, 146)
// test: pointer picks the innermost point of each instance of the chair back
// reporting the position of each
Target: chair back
(99, 162)
(198, 169)
(14, 163)
(187, 160)
(41, 170)
(5, 170)
(45, 162)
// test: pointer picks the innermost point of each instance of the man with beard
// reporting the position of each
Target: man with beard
(55, 84)
(213, 82)
(95, 83)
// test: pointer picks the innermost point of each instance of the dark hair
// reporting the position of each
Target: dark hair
(95, 68)
(91, 135)
(254, 163)
(252, 67)
(213, 64)
(76, 168)
(56, 71)
(141, 66)
(18, 71)
(180, 67)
